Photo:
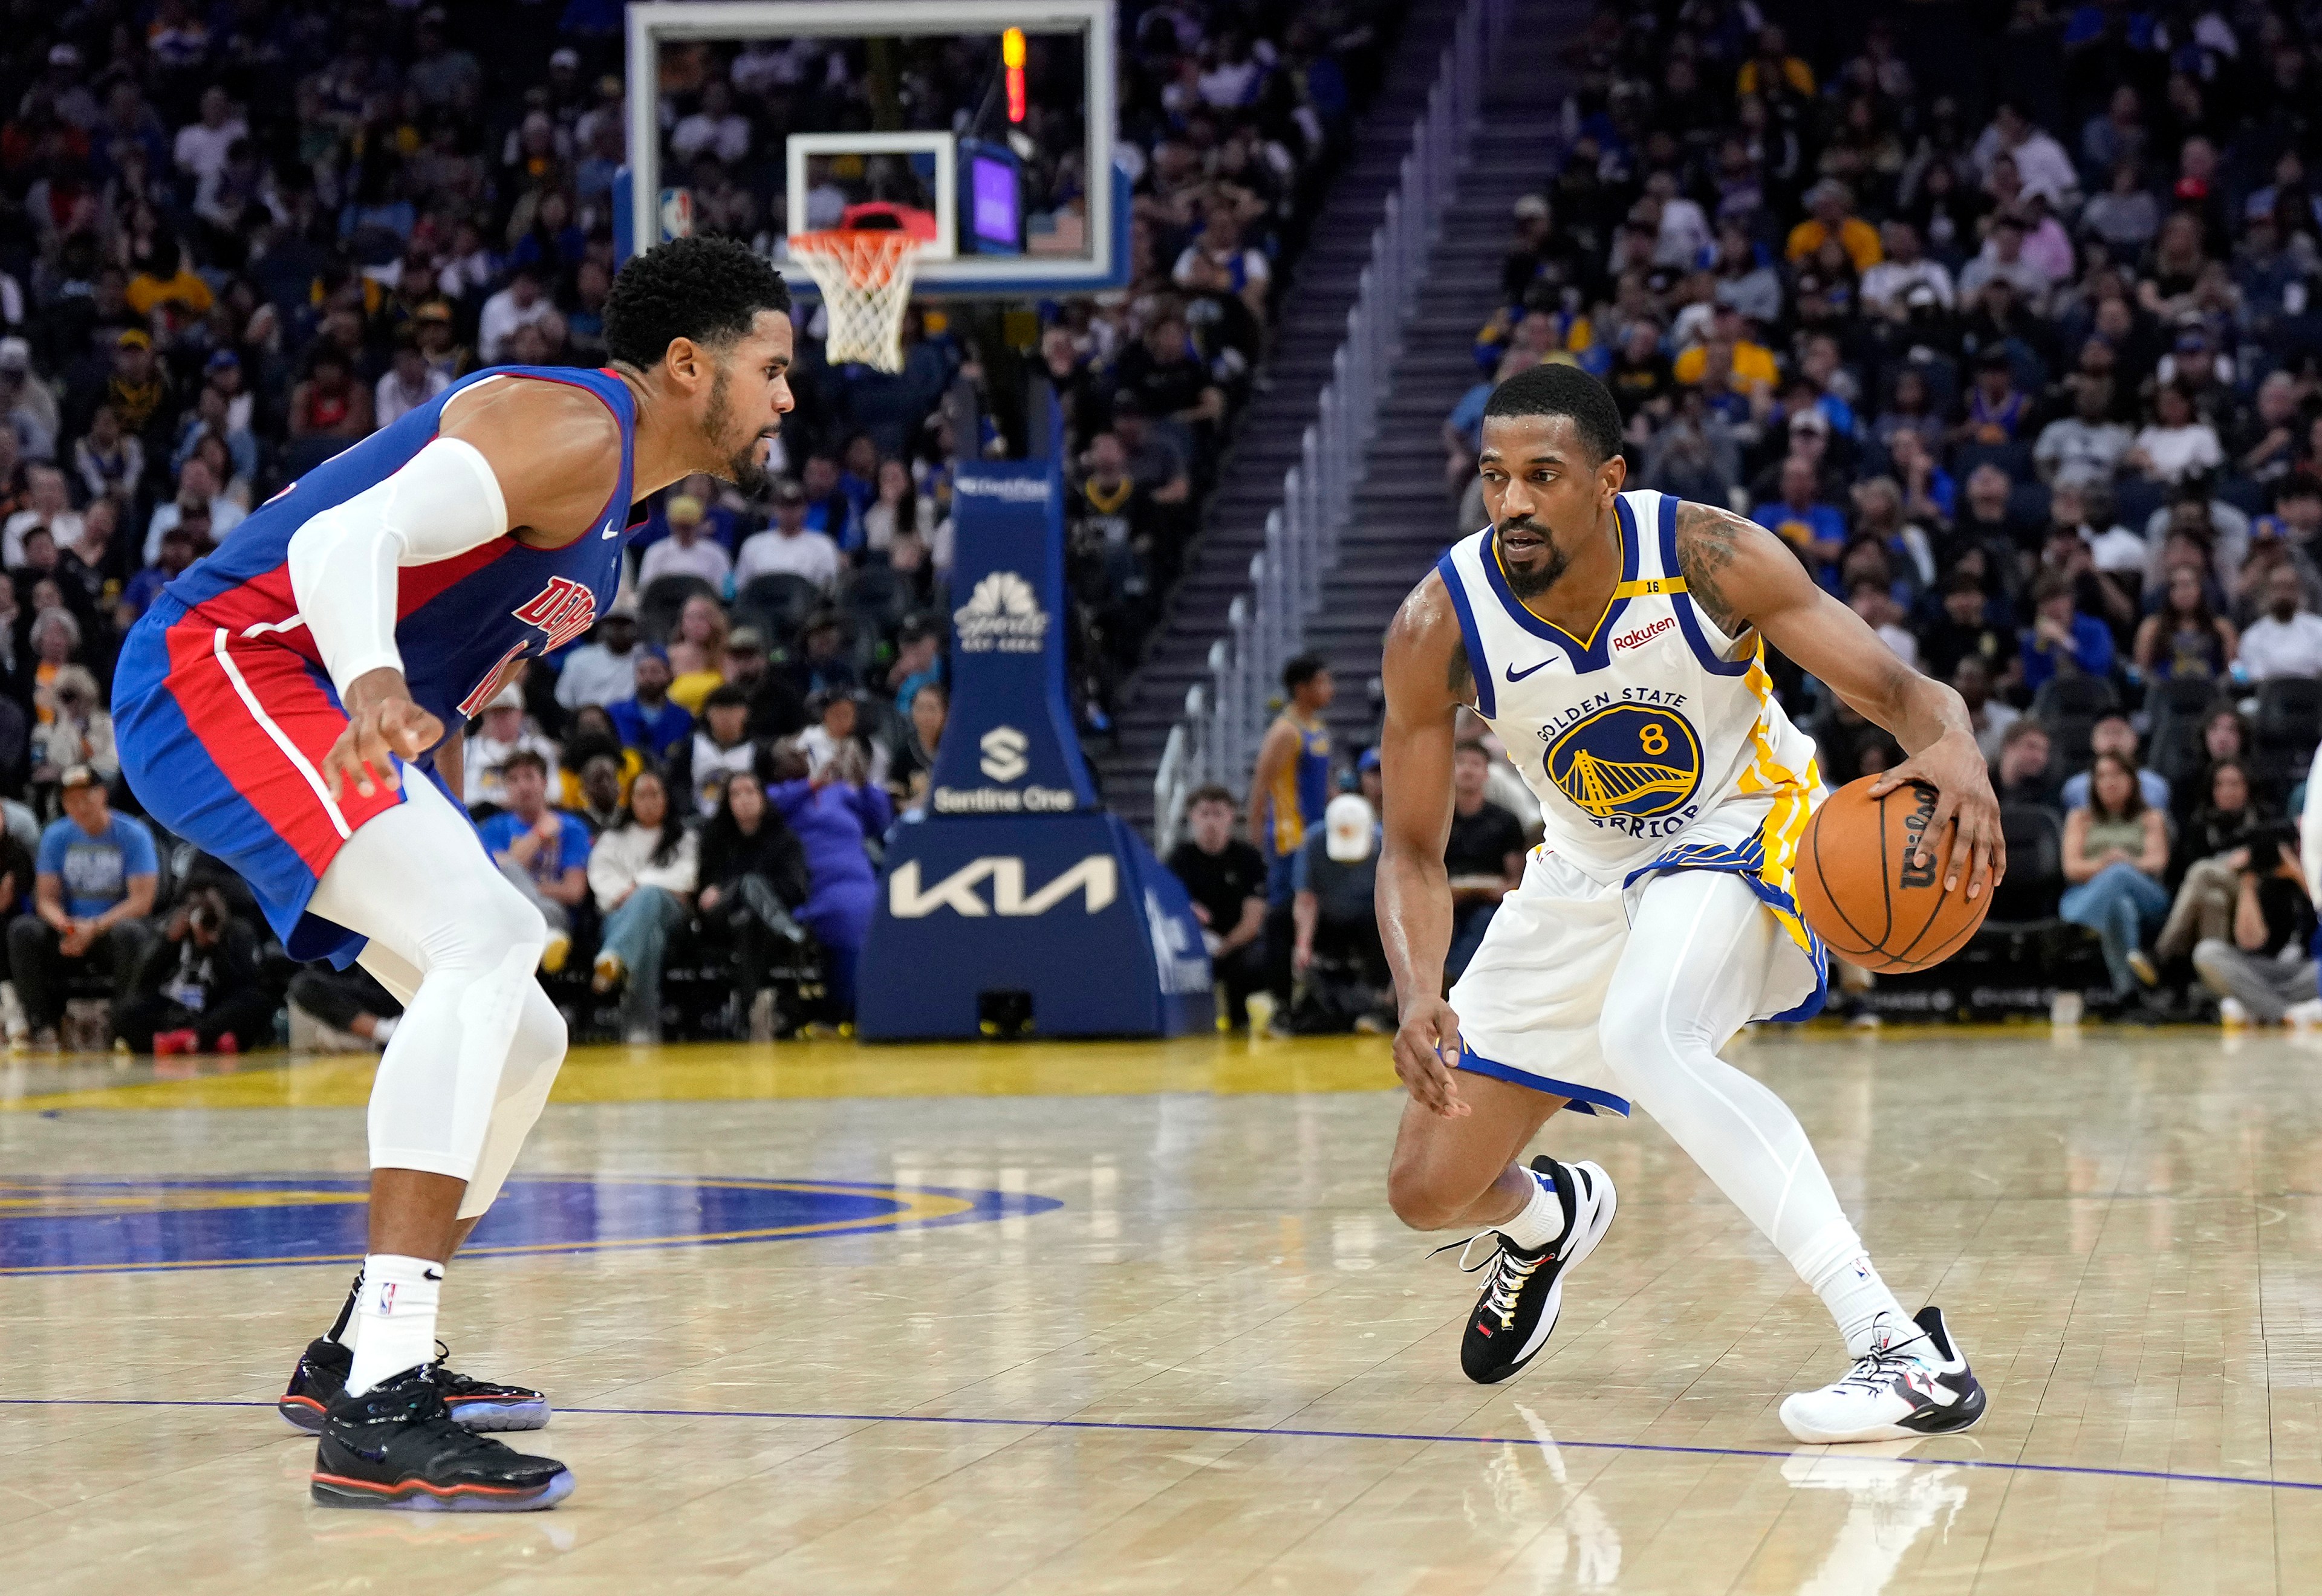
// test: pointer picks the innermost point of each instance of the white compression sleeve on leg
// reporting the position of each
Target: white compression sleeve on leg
(534, 1055)
(444, 502)
(1699, 952)
(412, 880)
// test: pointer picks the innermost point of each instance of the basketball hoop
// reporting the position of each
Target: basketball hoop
(865, 277)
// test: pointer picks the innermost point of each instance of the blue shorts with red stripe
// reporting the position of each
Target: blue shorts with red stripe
(222, 737)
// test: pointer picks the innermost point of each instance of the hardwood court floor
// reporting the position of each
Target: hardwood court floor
(1138, 1321)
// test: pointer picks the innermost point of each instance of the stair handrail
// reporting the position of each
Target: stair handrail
(1183, 753)
(1216, 738)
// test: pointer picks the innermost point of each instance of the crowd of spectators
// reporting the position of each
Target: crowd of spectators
(237, 236)
(2024, 363)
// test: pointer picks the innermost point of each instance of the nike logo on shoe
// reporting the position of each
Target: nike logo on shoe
(1516, 675)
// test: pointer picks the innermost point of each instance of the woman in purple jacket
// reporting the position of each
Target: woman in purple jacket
(833, 815)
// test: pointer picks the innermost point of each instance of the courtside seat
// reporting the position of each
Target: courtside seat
(2286, 728)
(2178, 708)
(2025, 940)
(663, 600)
(777, 603)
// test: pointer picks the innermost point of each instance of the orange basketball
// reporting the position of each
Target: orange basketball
(1858, 889)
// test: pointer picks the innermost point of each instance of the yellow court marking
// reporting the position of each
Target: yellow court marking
(755, 1072)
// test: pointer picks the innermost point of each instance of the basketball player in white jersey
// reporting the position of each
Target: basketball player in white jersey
(1615, 642)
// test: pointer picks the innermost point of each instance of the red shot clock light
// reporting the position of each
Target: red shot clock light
(1011, 56)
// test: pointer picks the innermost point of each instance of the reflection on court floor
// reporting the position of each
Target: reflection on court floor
(60, 1227)
(1134, 1318)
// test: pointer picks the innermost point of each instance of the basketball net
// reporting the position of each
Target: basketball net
(865, 278)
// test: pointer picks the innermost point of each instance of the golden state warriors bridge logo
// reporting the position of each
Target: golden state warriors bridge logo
(1628, 761)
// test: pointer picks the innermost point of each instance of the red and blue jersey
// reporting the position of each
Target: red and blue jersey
(459, 621)
(222, 709)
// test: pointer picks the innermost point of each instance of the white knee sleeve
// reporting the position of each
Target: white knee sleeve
(534, 1055)
(1698, 957)
(417, 882)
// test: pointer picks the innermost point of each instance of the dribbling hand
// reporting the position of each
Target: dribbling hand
(1425, 1043)
(383, 725)
(1954, 768)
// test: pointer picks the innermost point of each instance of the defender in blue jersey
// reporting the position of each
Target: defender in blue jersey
(292, 704)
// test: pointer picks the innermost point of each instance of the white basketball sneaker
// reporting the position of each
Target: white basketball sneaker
(1915, 1381)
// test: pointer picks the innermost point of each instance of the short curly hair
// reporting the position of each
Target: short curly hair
(707, 289)
(1556, 388)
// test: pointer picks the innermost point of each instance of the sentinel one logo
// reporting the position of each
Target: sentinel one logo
(1016, 490)
(1003, 753)
(1096, 878)
(1003, 614)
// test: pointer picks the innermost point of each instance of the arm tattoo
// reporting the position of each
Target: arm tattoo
(1461, 680)
(1706, 549)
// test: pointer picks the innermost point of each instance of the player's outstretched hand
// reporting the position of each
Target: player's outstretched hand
(383, 726)
(1425, 1043)
(1953, 766)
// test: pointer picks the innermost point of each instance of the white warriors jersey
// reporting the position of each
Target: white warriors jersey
(1635, 734)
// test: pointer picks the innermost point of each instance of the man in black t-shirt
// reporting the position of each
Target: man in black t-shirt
(2263, 974)
(1965, 628)
(1226, 879)
(1483, 856)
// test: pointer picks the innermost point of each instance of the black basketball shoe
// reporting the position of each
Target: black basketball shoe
(396, 1445)
(320, 1379)
(1525, 1290)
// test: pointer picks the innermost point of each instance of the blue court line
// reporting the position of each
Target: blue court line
(2157, 1475)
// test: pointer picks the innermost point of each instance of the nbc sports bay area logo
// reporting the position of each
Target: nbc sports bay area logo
(1004, 615)
(1015, 490)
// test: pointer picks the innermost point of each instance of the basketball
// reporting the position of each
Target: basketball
(1858, 886)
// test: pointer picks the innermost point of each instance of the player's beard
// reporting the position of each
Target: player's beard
(742, 470)
(1533, 583)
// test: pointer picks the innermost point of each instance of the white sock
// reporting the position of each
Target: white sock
(1541, 1221)
(1842, 1275)
(397, 1315)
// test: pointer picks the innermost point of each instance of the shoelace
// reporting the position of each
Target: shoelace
(449, 1380)
(1874, 1370)
(1510, 1273)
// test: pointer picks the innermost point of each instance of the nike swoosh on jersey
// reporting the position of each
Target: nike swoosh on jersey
(1516, 675)
(612, 528)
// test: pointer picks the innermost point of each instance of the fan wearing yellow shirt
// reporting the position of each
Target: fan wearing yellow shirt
(1751, 363)
(1831, 203)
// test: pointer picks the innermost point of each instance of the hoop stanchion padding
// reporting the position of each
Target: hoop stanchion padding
(1018, 890)
(865, 277)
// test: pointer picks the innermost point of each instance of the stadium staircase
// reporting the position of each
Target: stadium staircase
(1403, 512)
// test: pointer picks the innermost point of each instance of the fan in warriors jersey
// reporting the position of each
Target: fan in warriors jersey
(294, 704)
(1616, 643)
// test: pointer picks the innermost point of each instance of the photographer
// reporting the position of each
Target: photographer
(2265, 973)
(198, 989)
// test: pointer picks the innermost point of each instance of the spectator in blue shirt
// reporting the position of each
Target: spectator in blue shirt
(2061, 638)
(828, 510)
(2113, 735)
(1816, 530)
(1463, 429)
(177, 552)
(93, 885)
(545, 851)
(648, 720)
